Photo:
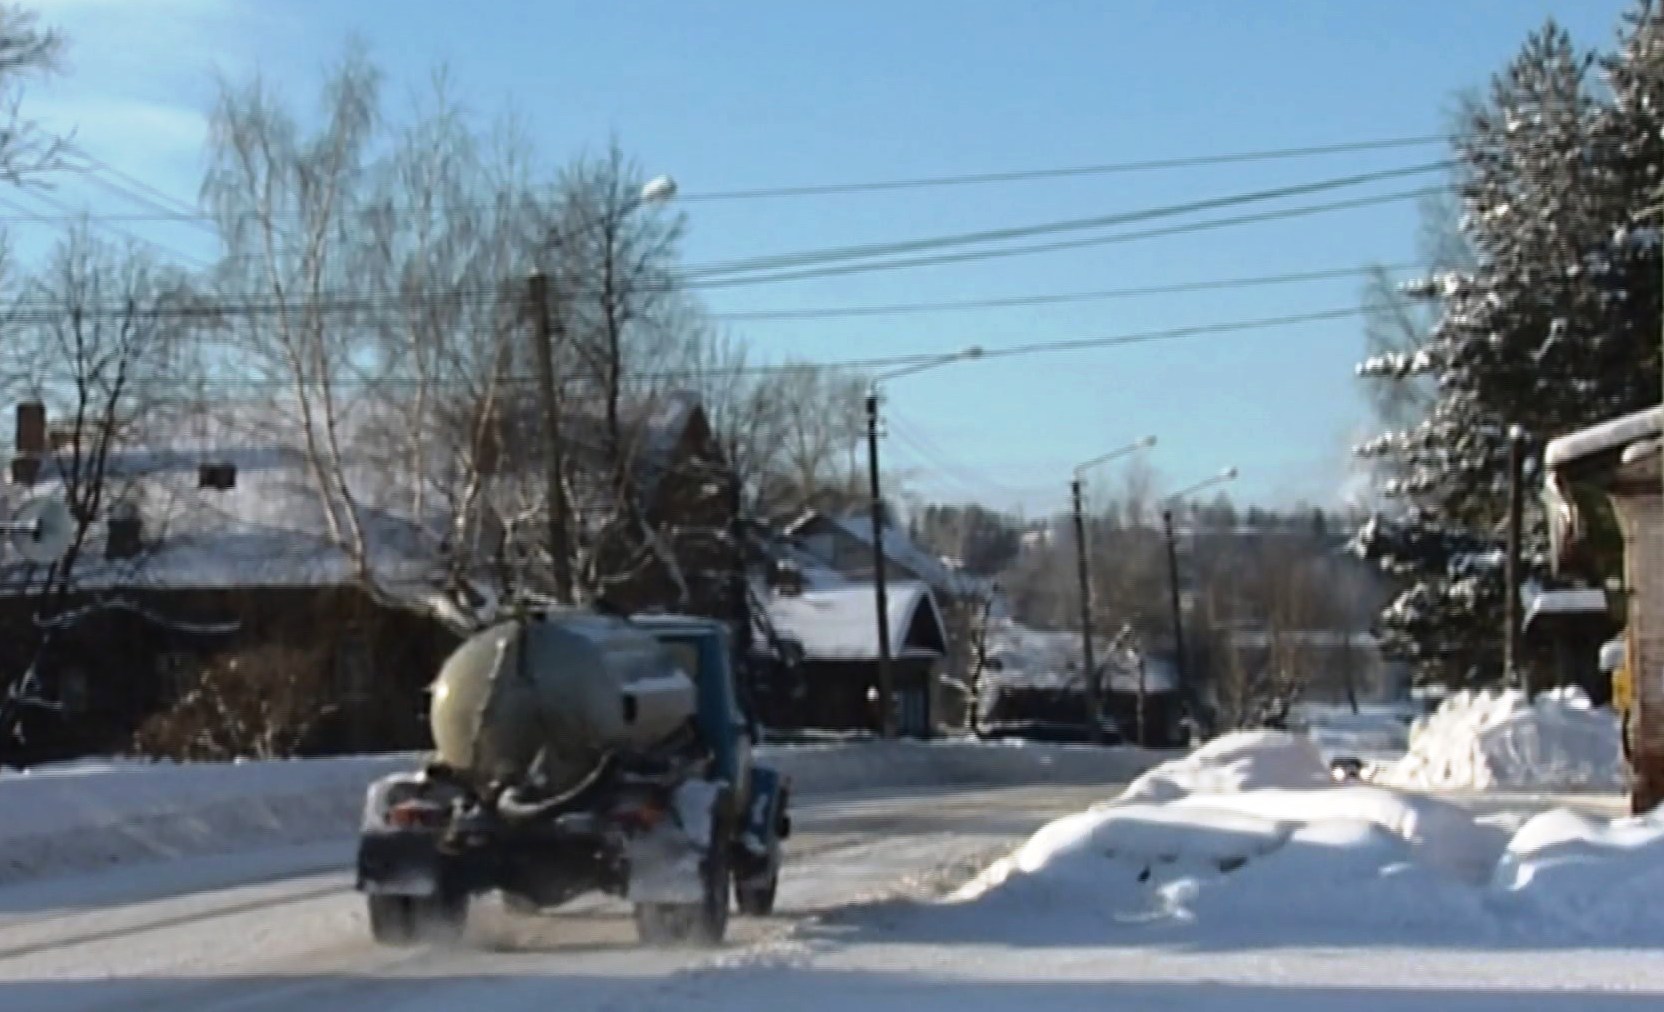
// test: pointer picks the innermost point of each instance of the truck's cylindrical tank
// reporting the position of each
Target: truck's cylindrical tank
(557, 692)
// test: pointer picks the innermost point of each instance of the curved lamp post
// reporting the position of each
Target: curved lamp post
(1094, 691)
(1229, 474)
(657, 190)
(881, 602)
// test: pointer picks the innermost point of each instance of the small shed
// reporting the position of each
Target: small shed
(1563, 631)
(1610, 472)
(838, 684)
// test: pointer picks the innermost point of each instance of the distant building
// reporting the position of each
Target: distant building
(837, 677)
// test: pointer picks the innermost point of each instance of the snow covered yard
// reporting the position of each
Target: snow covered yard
(1243, 877)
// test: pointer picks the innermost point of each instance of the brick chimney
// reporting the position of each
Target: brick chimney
(29, 442)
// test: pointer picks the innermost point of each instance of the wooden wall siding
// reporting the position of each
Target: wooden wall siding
(1641, 515)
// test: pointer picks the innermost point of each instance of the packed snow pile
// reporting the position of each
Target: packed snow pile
(1244, 761)
(1501, 740)
(1021, 657)
(1249, 838)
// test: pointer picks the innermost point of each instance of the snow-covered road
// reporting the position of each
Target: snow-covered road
(283, 929)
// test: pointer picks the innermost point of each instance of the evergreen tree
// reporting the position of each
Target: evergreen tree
(1554, 328)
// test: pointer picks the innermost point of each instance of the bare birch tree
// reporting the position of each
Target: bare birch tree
(100, 361)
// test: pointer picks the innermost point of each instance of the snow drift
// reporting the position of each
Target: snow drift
(1249, 836)
(86, 816)
(1501, 740)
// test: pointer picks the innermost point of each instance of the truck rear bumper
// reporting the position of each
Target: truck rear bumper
(399, 864)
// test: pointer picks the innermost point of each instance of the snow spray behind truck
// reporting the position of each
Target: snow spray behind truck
(578, 751)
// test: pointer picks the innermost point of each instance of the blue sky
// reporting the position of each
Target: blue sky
(736, 95)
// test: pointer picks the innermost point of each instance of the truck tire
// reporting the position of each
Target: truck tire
(403, 921)
(391, 923)
(704, 923)
(757, 900)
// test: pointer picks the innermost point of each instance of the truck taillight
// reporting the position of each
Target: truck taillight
(641, 815)
(416, 815)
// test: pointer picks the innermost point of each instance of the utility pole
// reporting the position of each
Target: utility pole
(1179, 672)
(886, 677)
(1511, 573)
(560, 556)
(1094, 695)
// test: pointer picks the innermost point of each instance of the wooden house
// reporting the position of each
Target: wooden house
(1603, 485)
(215, 542)
(837, 676)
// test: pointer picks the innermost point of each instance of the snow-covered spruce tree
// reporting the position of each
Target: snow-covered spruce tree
(1554, 328)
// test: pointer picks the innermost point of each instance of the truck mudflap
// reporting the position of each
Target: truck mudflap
(766, 820)
(399, 864)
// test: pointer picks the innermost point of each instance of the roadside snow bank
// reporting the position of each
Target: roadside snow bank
(1501, 740)
(1250, 837)
(1243, 761)
(1584, 875)
(90, 815)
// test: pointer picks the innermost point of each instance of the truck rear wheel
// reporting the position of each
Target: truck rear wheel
(758, 900)
(703, 923)
(402, 921)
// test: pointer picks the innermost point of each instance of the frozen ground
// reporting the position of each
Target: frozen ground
(282, 929)
(1239, 878)
(90, 816)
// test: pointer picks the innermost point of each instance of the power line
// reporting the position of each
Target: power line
(167, 207)
(903, 308)
(1063, 244)
(971, 179)
(188, 258)
(882, 362)
(968, 478)
(866, 250)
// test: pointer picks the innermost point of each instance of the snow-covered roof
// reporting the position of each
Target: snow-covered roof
(269, 529)
(1021, 657)
(899, 550)
(1613, 434)
(841, 623)
(272, 528)
(1568, 601)
(1262, 638)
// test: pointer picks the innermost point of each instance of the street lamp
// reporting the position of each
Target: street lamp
(881, 602)
(1229, 474)
(1511, 562)
(657, 190)
(1094, 693)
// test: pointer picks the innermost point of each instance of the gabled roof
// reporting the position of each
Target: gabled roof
(899, 550)
(272, 528)
(841, 624)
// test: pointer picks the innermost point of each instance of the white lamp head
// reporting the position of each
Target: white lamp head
(658, 190)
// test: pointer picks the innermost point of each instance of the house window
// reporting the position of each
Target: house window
(125, 537)
(221, 477)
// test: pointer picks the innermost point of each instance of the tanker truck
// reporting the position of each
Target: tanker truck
(577, 751)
